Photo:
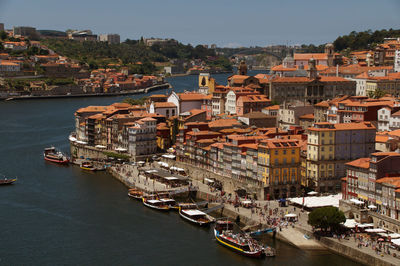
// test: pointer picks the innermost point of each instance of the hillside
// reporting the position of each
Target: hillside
(132, 53)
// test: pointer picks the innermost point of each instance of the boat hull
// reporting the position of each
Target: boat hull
(203, 224)
(226, 244)
(135, 196)
(7, 182)
(166, 208)
(88, 168)
(63, 162)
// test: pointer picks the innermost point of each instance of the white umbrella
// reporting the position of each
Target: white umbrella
(371, 207)
(312, 193)
(291, 215)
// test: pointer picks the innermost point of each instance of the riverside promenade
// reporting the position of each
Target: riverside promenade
(267, 214)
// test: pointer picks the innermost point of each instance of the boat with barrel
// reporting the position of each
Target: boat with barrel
(195, 216)
(88, 166)
(238, 242)
(6, 181)
(53, 155)
(135, 193)
(152, 201)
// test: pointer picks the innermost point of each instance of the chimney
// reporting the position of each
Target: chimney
(337, 70)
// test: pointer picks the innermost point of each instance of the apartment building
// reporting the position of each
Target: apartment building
(330, 146)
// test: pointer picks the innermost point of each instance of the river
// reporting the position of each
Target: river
(61, 215)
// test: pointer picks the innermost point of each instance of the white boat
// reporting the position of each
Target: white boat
(155, 204)
(196, 216)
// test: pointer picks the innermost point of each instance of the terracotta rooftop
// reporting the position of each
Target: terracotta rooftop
(317, 56)
(224, 123)
(361, 163)
(164, 105)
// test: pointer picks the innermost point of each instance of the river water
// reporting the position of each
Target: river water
(61, 215)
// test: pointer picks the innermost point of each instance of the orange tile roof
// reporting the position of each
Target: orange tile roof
(164, 105)
(272, 107)
(307, 116)
(317, 56)
(238, 78)
(191, 96)
(344, 126)
(381, 138)
(322, 104)
(361, 163)
(224, 123)
(394, 181)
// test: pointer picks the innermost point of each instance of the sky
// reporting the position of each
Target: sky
(226, 23)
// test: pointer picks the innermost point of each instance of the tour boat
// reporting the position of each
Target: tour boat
(240, 243)
(135, 193)
(53, 155)
(88, 166)
(170, 202)
(155, 204)
(196, 216)
(6, 181)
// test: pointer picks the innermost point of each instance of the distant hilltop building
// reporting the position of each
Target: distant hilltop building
(24, 31)
(158, 41)
(110, 38)
(83, 35)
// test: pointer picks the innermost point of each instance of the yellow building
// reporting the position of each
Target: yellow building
(330, 146)
(279, 166)
(206, 83)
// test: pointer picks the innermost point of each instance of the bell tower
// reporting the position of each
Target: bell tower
(330, 51)
(242, 69)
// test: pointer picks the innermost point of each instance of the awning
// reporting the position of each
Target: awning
(208, 180)
(394, 235)
(396, 242)
(100, 147)
(169, 156)
(170, 178)
(375, 230)
(371, 206)
(290, 215)
(312, 193)
(246, 202)
(350, 223)
(141, 162)
(358, 202)
(151, 171)
(120, 149)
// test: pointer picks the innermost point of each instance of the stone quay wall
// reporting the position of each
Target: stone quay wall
(352, 253)
(78, 150)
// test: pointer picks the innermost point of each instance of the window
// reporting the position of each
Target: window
(276, 152)
(284, 152)
(293, 151)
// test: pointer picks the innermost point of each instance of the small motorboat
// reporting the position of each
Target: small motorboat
(88, 166)
(135, 193)
(155, 204)
(7, 181)
(55, 156)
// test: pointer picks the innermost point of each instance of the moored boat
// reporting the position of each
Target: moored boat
(135, 193)
(196, 216)
(155, 204)
(88, 166)
(238, 242)
(51, 154)
(7, 181)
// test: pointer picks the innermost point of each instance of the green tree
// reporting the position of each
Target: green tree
(3, 35)
(378, 93)
(326, 218)
(132, 101)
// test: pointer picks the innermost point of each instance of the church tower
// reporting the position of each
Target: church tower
(312, 69)
(330, 51)
(242, 69)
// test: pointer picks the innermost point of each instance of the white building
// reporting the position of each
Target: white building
(166, 109)
(388, 119)
(142, 137)
(230, 103)
(397, 61)
(110, 38)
